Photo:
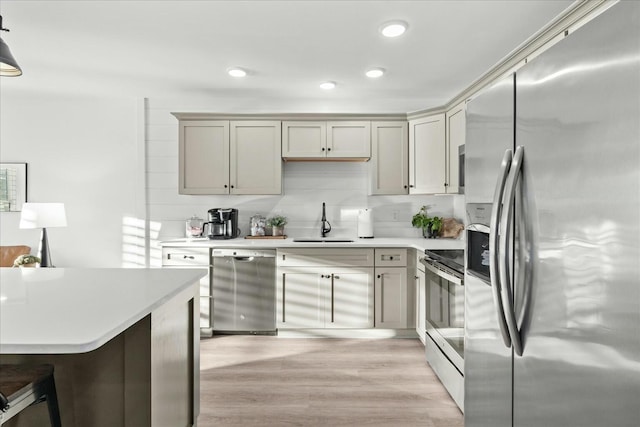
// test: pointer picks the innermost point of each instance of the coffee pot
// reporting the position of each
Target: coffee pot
(223, 224)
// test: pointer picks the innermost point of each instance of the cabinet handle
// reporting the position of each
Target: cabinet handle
(391, 258)
(188, 256)
(225, 186)
(336, 277)
(379, 276)
(416, 277)
(322, 148)
(232, 186)
(405, 186)
(410, 185)
(329, 149)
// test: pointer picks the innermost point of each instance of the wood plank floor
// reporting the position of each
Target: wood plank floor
(272, 381)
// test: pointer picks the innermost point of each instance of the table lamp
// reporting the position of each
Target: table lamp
(43, 215)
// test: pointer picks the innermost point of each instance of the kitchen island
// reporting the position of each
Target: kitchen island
(122, 342)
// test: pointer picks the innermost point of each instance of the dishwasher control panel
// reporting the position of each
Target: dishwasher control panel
(243, 253)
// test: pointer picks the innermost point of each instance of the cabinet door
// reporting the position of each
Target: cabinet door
(350, 296)
(183, 257)
(304, 139)
(256, 157)
(389, 165)
(391, 297)
(301, 295)
(455, 138)
(349, 139)
(427, 159)
(203, 157)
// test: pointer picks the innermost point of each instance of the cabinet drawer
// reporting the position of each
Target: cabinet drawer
(185, 256)
(325, 257)
(391, 257)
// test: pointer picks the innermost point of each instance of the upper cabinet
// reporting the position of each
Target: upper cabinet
(203, 157)
(230, 157)
(456, 122)
(319, 140)
(255, 157)
(427, 158)
(389, 165)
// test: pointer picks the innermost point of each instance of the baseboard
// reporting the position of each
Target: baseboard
(347, 333)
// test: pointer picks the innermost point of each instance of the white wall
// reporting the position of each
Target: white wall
(343, 186)
(82, 152)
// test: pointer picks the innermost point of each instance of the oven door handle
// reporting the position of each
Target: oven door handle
(450, 277)
(494, 252)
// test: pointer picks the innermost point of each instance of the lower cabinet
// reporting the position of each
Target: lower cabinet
(391, 297)
(318, 297)
(344, 288)
(186, 257)
(391, 288)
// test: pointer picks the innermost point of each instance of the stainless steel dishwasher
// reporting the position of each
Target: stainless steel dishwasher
(244, 291)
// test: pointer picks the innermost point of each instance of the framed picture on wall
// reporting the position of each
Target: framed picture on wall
(13, 186)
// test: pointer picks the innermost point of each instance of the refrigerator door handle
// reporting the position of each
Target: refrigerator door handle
(494, 250)
(505, 248)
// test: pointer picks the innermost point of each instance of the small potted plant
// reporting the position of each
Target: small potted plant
(26, 260)
(430, 226)
(277, 224)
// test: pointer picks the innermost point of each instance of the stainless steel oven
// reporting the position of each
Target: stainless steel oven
(444, 281)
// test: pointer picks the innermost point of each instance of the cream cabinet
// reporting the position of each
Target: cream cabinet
(191, 257)
(427, 155)
(320, 140)
(325, 288)
(456, 122)
(255, 157)
(203, 157)
(389, 165)
(229, 157)
(391, 297)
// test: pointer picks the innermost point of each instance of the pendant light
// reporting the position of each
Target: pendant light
(8, 65)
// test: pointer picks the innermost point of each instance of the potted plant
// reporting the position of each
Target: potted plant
(430, 226)
(277, 224)
(26, 260)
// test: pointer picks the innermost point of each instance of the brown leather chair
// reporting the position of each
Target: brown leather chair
(8, 254)
(22, 386)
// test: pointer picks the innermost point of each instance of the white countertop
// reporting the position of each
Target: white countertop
(382, 242)
(63, 310)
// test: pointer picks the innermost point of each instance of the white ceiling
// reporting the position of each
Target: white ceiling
(182, 49)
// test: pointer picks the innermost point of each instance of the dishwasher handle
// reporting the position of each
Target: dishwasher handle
(243, 258)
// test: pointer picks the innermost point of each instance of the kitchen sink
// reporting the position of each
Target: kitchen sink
(322, 240)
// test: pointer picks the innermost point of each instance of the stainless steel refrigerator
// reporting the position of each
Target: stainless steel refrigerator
(552, 299)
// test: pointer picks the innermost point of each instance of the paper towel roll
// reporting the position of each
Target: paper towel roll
(365, 224)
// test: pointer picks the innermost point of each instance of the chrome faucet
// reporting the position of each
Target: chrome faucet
(325, 227)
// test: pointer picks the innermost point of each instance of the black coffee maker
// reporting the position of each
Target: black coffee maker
(223, 224)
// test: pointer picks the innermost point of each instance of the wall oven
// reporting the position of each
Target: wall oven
(444, 281)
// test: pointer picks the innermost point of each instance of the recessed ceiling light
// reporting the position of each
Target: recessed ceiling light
(374, 73)
(393, 28)
(327, 85)
(236, 72)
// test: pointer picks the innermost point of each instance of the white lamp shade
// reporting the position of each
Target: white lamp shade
(43, 215)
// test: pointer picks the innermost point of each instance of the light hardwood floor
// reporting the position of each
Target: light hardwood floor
(272, 381)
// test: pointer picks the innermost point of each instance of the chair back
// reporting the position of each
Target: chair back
(8, 254)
